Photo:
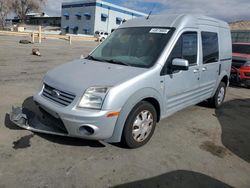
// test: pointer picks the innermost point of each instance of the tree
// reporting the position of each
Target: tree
(23, 7)
(5, 9)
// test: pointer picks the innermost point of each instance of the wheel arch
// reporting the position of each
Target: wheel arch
(225, 79)
(156, 105)
(147, 94)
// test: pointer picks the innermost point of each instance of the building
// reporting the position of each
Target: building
(43, 19)
(38, 19)
(89, 16)
(240, 31)
(240, 35)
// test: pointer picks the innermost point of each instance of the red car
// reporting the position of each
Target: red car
(240, 72)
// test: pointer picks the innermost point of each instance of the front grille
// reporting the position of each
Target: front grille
(56, 124)
(60, 97)
(247, 74)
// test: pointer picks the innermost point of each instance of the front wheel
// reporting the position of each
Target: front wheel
(140, 124)
(219, 96)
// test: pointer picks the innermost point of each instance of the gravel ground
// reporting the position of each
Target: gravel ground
(196, 147)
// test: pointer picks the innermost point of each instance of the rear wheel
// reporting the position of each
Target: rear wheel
(219, 96)
(140, 125)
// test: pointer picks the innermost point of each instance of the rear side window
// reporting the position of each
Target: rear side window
(210, 47)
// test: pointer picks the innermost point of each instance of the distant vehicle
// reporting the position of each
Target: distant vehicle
(101, 35)
(240, 72)
(145, 71)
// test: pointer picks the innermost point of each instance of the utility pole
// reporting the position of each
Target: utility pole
(108, 20)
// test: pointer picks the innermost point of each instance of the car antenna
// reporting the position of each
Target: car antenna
(150, 12)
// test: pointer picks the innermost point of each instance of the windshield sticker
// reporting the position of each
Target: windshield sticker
(159, 31)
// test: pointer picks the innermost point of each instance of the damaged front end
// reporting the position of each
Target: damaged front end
(38, 121)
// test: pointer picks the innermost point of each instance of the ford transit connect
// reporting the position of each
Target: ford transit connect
(145, 71)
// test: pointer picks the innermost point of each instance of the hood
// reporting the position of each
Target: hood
(77, 76)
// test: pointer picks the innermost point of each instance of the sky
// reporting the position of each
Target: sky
(228, 10)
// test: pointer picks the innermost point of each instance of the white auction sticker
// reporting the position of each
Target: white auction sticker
(159, 31)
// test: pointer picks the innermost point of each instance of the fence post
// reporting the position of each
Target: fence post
(70, 39)
(40, 34)
(33, 37)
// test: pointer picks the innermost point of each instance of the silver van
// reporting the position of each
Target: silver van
(146, 70)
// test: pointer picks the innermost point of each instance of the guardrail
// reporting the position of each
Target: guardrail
(41, 35)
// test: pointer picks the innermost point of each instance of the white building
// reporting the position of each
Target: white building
(88, 16)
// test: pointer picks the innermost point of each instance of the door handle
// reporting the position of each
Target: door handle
(204, 69)
(196, 71)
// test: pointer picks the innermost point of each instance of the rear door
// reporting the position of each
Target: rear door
(210, 68)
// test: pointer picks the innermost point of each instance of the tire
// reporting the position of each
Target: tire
(217, 100)
(137, 134)
(248, 84)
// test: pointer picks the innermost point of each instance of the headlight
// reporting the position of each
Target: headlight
(93, 97)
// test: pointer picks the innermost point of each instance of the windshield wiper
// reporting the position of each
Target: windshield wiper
(107, 60)
(117, 62)
(93, 58)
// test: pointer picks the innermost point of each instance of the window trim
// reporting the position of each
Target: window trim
(171, 33)
(164, 68)
(197, 37)
(218, 45)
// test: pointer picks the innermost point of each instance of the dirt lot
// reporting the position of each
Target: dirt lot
(197, 147)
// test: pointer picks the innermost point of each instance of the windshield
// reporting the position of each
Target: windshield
(139, 47)
(241, 48)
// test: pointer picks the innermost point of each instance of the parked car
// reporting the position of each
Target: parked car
(101, 35)
(240, 72)
(145, 71)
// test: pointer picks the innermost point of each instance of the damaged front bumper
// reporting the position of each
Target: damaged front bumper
(27, 119)
(81, 124)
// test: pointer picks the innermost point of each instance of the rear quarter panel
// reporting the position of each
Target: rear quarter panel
(225, 55)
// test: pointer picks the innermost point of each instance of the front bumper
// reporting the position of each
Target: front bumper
(240, 77)
(46, 117)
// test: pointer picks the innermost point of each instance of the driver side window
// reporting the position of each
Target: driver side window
(185, 48)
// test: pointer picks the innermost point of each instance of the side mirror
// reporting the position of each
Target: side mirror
(180, 64)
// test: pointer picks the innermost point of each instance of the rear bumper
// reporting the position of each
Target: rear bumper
(41, 118)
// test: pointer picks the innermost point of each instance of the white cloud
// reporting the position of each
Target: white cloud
(53, 8)
(229, 10)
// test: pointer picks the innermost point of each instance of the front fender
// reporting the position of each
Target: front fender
(128, 106)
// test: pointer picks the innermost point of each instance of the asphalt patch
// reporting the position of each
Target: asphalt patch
(215, 150)
(23, 142)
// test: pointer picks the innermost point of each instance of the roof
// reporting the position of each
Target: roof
(37, 14)
(174, 20)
